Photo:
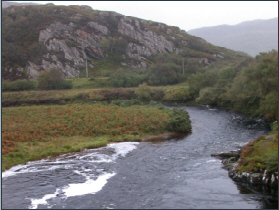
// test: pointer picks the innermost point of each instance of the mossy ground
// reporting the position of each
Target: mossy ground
(260, 154)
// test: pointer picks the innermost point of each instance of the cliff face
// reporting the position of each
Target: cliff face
(65, 37)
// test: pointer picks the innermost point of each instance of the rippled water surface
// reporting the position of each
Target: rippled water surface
(178, 173)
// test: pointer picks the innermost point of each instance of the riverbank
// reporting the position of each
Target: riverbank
(169, 174)
(256, 163)
(36, 132)
(167, 94)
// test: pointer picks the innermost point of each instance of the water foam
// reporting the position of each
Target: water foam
(122, 149)
(43, 200)
(90, 186)
(31, 167)
(63, 161)
(213, 160)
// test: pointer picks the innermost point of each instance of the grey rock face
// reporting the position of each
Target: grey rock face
(134, 64)
(137, 51)
(76, 16)
(102, 29)
(33, 69)
(149, 39)
(204, 60)
(218, 56)
(59, 37)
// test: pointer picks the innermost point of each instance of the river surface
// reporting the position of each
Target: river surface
(177, 173)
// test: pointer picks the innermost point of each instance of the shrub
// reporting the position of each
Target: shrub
(144, 92)
(158, 95)
(269, 106)
(272, 161)
(121, 78)
(211, 96)
(274, 126)
(18, 85)
(121, 103)
(135, 102)
(163, 74)
(180, 94)
(66, 84)
(179, 121)
(52, 80)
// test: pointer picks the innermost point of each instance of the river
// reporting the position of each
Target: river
(177, 173)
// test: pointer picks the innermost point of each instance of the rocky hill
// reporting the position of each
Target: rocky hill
(41, 37)
(251, 37)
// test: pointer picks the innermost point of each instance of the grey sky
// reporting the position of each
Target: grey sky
(185, 14)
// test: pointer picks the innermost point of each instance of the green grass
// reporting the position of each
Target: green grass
(90, 83)
(103, 68)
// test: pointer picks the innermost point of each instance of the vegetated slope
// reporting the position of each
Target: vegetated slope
(41, 37)
(251, 37)
(251, 89)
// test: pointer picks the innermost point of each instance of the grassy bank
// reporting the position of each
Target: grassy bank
(169, 93)
(261, 154)
(35, 132)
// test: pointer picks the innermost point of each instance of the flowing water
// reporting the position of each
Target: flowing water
(177, 173)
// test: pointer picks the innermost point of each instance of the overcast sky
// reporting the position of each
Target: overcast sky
(185, 14)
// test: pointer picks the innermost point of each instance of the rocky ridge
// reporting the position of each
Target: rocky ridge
(80, 36)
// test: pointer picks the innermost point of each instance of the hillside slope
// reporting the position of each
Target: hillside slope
(251, 37)
(41, 37)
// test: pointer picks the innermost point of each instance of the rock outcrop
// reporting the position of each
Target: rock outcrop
(80, 33)
(230, 162)
(75, 44)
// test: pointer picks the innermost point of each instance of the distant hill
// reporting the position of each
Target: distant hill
(251, 37)
(6, 4)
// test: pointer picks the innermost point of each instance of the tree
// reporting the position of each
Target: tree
(163, 74)
(227, 73)
(255, 88)
(118, 78)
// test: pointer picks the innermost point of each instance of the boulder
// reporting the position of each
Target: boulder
(255, 178)
(235, 154)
